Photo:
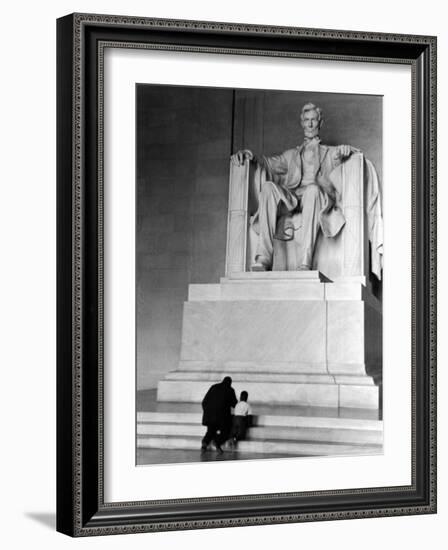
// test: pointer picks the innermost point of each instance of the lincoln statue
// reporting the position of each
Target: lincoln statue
(298, 179)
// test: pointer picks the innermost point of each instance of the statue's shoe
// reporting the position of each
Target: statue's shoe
(261, 264)
(257, 266)
(304, 267)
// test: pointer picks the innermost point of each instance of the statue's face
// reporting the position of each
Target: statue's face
(310, 124)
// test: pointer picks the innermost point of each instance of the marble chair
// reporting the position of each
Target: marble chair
(346, 255)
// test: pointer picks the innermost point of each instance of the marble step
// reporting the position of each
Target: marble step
(293, 448)
(275, 289)
(280, 367)
(216, 376)
(312, 275)
(269, 420)
(257, 433)
(286, 393)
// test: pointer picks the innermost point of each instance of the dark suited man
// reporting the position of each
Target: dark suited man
(217, 415)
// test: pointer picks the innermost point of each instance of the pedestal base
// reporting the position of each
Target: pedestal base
(288, 338)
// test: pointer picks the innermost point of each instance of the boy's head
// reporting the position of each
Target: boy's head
(243, 396)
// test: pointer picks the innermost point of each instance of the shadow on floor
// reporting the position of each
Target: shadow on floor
(47, 519)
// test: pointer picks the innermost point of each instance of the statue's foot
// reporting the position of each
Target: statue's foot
(304, 267)
(261, 264)
(257, 266)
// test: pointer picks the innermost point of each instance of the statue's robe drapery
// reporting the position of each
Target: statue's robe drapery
(286, 171)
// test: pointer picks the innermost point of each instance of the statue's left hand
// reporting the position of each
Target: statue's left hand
(345, 151)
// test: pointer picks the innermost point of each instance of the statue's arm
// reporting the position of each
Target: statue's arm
(275, 165)
(341, 153)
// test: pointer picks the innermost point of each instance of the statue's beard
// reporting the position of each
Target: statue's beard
(311, 133)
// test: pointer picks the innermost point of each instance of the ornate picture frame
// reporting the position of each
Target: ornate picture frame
(81, 506)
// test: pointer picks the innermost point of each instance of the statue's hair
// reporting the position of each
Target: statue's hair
(311, 107)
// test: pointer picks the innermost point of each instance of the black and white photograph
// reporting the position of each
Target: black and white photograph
(258, 276)
(224, 255)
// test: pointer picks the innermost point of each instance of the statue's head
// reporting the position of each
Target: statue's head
(311, 120)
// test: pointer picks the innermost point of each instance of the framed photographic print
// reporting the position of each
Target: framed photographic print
(246, 274)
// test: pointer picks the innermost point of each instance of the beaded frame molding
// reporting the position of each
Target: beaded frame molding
(81, 40)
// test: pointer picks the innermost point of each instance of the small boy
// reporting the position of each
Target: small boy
(242, 418)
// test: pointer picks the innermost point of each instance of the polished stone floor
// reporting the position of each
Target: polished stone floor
(168, 456)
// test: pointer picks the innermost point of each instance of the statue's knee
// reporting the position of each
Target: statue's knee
(268, 189)
(311, 191)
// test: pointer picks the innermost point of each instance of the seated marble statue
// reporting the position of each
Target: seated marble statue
(298, 180)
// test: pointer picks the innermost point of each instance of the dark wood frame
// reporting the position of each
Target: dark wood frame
(81, 39)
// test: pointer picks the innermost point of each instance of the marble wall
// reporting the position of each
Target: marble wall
(184, 142)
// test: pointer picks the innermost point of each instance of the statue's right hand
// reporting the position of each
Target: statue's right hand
(240, 157)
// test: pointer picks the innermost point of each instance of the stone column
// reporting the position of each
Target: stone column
(237, 224)
(354, 232)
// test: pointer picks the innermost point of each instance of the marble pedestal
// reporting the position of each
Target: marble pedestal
(289, 338)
